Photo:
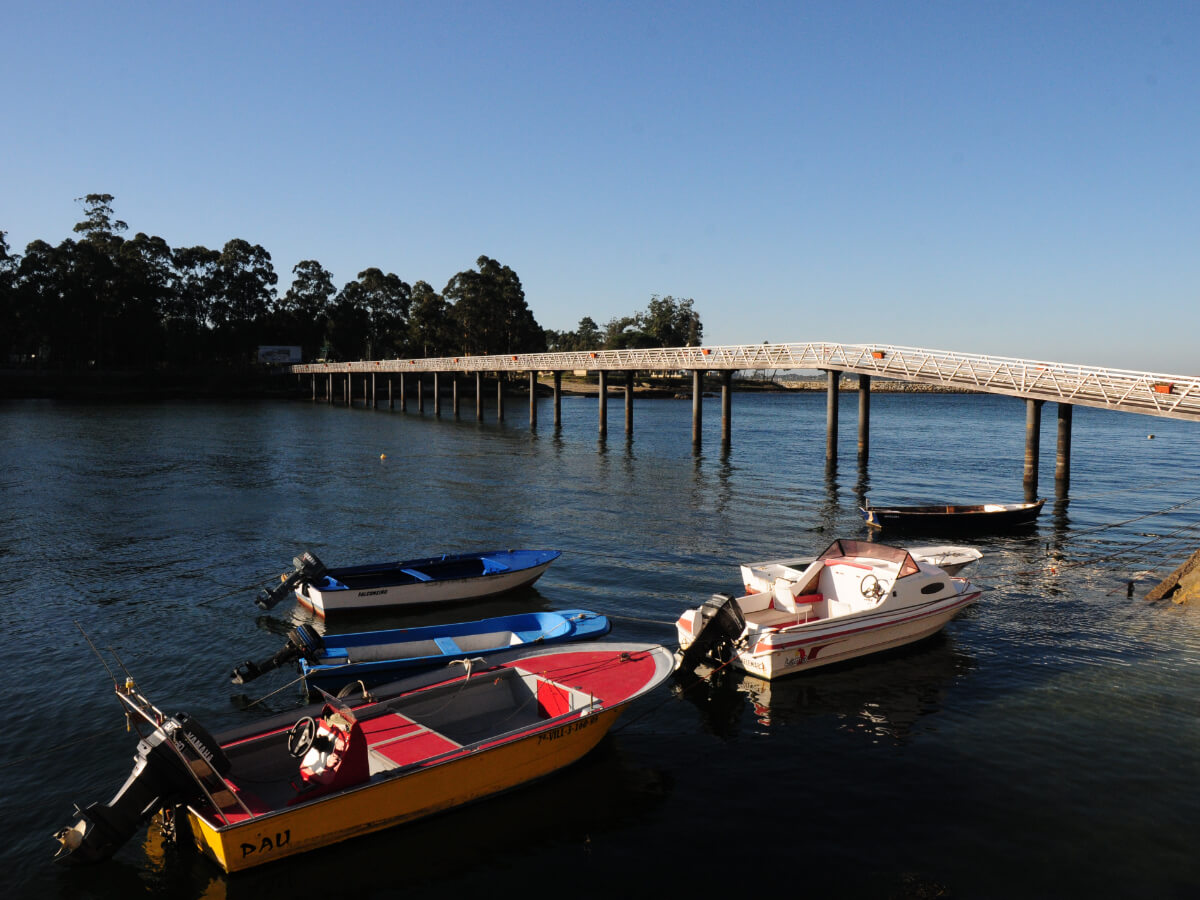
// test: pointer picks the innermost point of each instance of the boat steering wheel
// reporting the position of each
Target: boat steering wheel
(300, 738)
(870, 587)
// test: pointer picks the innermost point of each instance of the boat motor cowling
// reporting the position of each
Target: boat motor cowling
(720, 623)
(301, 642)
(160, 778)
(307, 569)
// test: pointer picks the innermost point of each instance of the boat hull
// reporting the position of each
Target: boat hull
(953, 519)
(809, 647)
(376, 807)
(375, 596)
(373, 658)
(431, 770)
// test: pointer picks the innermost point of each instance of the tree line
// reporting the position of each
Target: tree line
(101, 300)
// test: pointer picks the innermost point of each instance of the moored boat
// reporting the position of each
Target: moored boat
(854, 599)
(761, 576)
(449, 578)
(952, 518)
(339, 769)
(331, 661)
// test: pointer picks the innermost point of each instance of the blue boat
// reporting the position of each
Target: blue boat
(449, 578)
(332, 661)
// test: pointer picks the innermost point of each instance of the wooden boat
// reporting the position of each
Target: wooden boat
(331, 661)
(338, 769)
(414, 582)
(953, 518)
(761, 576)
(854, 599)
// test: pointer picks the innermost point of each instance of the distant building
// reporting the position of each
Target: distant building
(275, 355)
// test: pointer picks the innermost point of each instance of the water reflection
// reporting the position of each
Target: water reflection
(887, 695)
(606, 792)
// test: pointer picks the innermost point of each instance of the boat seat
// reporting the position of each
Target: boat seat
(420, 576)
(447, 645)
(785, 601)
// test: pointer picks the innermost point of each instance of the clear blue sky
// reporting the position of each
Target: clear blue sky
(1011, 178)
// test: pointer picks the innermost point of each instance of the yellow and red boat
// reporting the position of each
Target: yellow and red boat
(344, 768)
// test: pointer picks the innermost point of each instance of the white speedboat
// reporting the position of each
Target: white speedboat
(761, 576)
(854, 599)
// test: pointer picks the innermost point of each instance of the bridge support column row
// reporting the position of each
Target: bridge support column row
(1062, 454)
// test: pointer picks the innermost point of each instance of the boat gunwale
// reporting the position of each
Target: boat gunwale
(804, 632)
(596, 707)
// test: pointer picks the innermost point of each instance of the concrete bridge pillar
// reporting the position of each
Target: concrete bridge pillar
(437, 395)
(479, 396)
(864, 418)
(1033, 436)
(629, 403)
(697, 404)
(602, 396)
(1062, 457)
(454, 393)
(533, 399)
(403, 395)
(558, 399)
(499, 396)
(832, 382)
(420, 395)
(726, 406)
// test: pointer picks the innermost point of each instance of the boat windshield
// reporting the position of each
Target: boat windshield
(869, 550)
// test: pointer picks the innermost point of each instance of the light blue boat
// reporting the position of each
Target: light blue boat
(376, 657)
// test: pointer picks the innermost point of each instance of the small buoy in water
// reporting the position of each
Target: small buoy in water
(1149, 437)
(383, 456)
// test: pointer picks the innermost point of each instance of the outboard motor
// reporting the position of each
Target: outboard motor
(301, 642)
(307, 569)
(162, 776)
(720, 625)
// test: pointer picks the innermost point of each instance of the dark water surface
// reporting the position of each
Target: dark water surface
(1047, 744)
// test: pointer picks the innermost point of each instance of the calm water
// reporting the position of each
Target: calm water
(1046, 745)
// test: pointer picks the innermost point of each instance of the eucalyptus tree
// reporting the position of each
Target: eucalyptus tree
(245, 282)
(489, 311)
(8, 300)
(52, 330)
(387, 300)
(430, 330)
(186, 314)
(147, 286)
(305, 309)
(671, 322)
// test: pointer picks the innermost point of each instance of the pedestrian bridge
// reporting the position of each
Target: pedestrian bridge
(1146, 393)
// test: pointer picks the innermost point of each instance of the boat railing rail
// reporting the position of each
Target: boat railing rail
(152, 716)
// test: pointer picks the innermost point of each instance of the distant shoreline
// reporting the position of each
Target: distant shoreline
(227, 383)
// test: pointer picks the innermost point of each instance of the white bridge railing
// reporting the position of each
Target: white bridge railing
(1147, 393)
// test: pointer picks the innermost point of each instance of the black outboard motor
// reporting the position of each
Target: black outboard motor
(301, 642)
(720, 625)
(162, 776)
(307, 570)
